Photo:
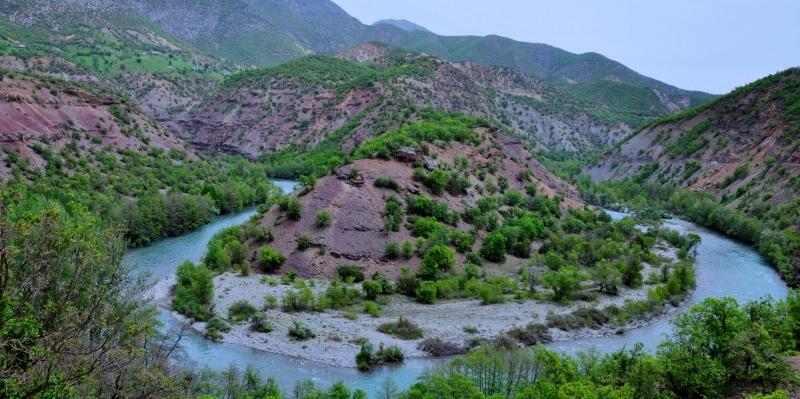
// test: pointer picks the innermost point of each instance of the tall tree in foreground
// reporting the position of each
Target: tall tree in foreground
(71, 324)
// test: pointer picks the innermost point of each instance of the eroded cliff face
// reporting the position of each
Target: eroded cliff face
(743, 147)
(40, 115)
(357, 233)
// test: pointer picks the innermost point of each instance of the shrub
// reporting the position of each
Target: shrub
(532, 334)
(241, 310)
(437, 261)
(337, 295)
(385, 182)
(350, 273)
(303, 242)
(261, 324)
(402, 328)
(437, 347)
(564, 282)
(392, 250)
(389, 354)
(407, 283)
(323, 219)
(393, 214)
(270, 302)
(365, 358)
(372, 309)
(407, 249)
(494, 247)
(292, 207)
(300, 332)
(194, 291)
(426, 293)
(270, 259)
(298, 301)
(215, 327)
(372, 288)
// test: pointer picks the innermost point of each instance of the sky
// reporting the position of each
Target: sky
(709, 45)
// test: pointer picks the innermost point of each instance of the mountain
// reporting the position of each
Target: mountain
(268, 32)
(403, 24)
(743, 147)
(374, 87)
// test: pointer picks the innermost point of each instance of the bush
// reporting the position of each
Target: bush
(270, 259)
(407, 250)
(303, 242)
(436, 261)
(564, 282)
(372, 289)
(407, 283)
(350, 273)
(437, 347)
(402, 328)
(494, 247)
(194, 291)
(392, 250)
(261, 324)
(241, 310)
(389, 354)
(323, 219)
(426, 293)
(372, 309)
(292, 207)
(532, 334)
(215, 327)
(337, 295)
(298, 301)
(300, 332)
(385, 182)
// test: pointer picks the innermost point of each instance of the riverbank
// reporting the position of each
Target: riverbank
(339, 333)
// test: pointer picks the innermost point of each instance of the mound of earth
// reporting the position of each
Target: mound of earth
(357, 235)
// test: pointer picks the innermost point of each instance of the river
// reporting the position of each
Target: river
(724, 267)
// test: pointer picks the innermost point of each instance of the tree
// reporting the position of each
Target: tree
(563, 281)
(194, 291)
(437, 260)
(270, 259)
(494, 247)
(436, 181)
(608, 277)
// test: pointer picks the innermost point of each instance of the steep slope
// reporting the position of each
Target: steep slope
(108, 47)
(374, 87)
(41, 116)
(267, 32)
(91, 148)
(743, 147)
(356, 196)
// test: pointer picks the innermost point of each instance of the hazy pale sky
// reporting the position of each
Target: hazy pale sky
(709, 45)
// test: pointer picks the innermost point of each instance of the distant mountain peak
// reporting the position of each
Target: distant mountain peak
(403, 24)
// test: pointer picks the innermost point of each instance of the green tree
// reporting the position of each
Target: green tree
(494, 247)
(564, 281)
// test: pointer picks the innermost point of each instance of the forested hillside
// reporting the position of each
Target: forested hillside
(738, 158)
(88, 147)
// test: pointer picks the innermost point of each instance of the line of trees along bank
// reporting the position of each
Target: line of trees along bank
(153, 194)
(777, 241)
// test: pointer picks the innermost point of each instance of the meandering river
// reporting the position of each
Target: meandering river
(724, 267)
